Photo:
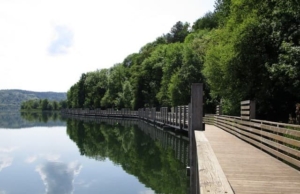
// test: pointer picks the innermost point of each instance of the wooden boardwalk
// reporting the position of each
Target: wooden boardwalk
(248, 169)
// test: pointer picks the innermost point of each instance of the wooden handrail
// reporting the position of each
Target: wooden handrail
(274, 138)
(177, 119)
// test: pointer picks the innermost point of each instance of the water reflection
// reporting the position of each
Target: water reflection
(17, 120)
(91, 156)
(157, 158)
(58, 177)
(5, 161)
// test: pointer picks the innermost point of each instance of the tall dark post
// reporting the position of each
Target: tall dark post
(195, 118)
(197, 106)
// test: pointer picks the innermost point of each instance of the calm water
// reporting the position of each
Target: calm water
(46, 154)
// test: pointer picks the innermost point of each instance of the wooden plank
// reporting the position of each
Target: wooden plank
(270, 135)
(276, 123)
(248, 169)
(241, 135)
(245, 117)
(281, 130)
(245, 107)
(245, 112)
(281, 138)
(245, 102)
(289, 150)
(212, 179)
(274, 152)
(284, 148)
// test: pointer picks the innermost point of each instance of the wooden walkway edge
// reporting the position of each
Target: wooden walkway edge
(249, 169)
(212, 178)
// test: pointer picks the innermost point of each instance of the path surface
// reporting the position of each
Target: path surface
(248, 169)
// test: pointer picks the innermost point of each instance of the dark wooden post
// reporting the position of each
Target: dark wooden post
(248, 109)
(197, 106)
(196, 114)
(167, 114)
(162, 115)
(184, 116)
(180, 118)
(219, 110)
(176, 115)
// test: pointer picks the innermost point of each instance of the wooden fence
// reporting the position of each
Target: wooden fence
(176, 117)
(278, 139)
(98, 112)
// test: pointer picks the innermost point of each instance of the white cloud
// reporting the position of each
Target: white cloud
(31, 159)
(5, 161)
(51, 157)
(8, 150)
(84, 183)
(62, 41)
(91, 34)
(58, 177)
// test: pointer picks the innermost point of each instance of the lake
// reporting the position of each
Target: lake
(44, 153)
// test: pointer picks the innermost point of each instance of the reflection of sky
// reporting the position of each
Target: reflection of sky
(45, 160)
(5, 161)
(58, 177)
(2, 192)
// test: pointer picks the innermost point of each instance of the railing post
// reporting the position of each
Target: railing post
(184, 116)
(176, 116)
(248, 110)
(167, 115)
(196, 114)
(219, 110)
(180, 118)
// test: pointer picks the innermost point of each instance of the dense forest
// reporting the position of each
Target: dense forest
(43, 105)
(10, 100)
(245, 49)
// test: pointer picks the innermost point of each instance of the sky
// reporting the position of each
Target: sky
(45, 45)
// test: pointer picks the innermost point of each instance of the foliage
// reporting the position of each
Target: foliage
(178, 32)
(11, 99)
(159, 75)
(208, 21)
(255, 55)
(43, 105)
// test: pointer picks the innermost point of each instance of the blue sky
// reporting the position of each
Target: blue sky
(45, 45)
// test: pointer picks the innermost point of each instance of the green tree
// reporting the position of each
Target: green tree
(178, 32)
(208, 21)
(45, 104)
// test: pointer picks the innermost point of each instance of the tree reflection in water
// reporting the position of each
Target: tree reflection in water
(157, 158)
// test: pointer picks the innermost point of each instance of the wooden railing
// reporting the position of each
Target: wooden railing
(278, 139)
(176, 117)
(99, 112)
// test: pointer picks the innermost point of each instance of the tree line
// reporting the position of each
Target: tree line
(245, 49)
(43, 105)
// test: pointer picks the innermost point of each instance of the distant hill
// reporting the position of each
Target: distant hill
(12, 99)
